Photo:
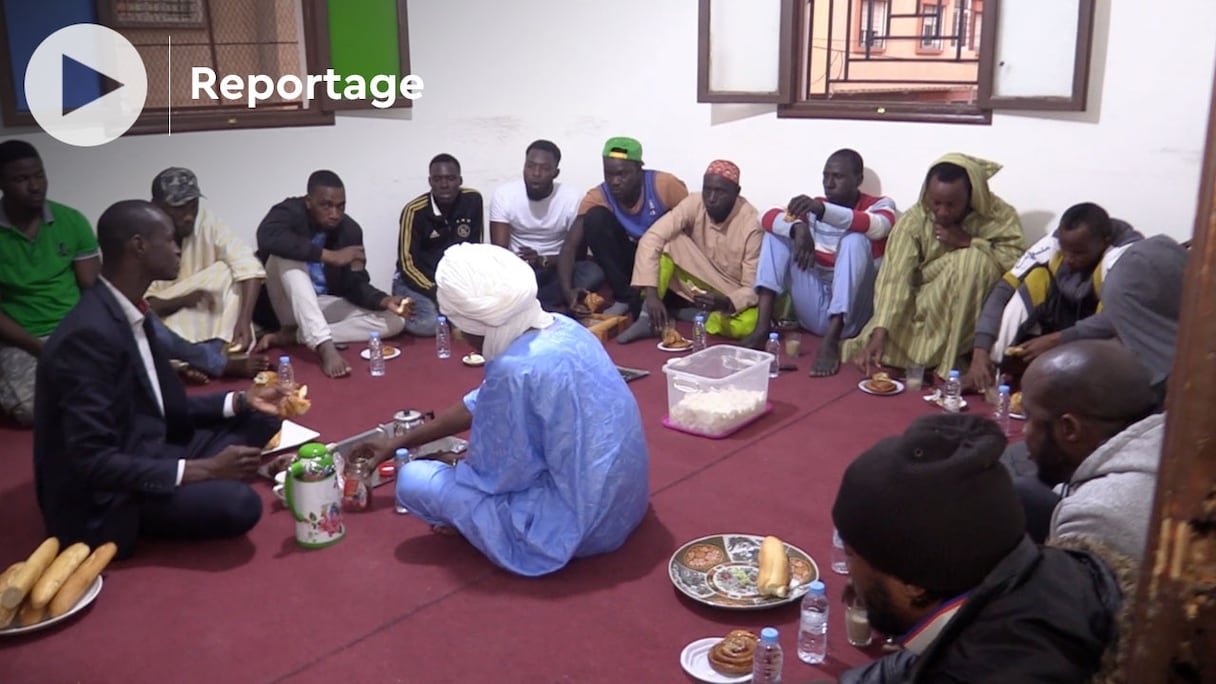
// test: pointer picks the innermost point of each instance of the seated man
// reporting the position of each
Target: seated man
(825, 252)
(48, 254)
(317, 278)
(612, 218)
(942, 259)
(120, 450)
(557, 460)
(1141, 301)
(704, 251)
(532, 216)
(934, 537)
(1092, 425)
(430, 223)
(209, 306)
(1057, 282)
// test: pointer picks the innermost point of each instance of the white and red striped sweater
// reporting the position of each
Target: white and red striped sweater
(872, 216)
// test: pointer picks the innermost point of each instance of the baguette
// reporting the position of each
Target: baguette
(29, 615)
(55, 575)
(774, 576)
(23, 580)
(7, 615)
(81, 579)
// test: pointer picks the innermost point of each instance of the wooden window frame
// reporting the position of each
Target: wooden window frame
(793, 103)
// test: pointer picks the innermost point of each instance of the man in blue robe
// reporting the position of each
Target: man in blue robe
(557, 464)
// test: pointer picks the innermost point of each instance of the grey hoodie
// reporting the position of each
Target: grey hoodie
(1110, 496)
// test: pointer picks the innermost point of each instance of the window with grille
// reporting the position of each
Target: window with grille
(907, 60)
(239, 37)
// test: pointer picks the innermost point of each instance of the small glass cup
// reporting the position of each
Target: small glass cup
(793, 344)
(914, 377)
(857, 625)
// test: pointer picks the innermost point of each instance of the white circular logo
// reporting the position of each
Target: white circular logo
(79, 54)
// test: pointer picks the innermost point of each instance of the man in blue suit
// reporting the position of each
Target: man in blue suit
(120, 451)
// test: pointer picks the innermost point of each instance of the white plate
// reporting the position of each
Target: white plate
(899, 388)
(93, 591)
(391, 352)
(1017, 416)
(473, 360)
(294, 435)
(676, 350)
(695, 661)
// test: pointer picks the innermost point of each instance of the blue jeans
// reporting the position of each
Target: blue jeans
(425, 311)
(820, 293)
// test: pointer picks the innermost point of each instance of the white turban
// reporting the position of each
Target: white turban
(490, 292)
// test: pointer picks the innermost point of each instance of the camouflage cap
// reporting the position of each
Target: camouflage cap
(175, 186)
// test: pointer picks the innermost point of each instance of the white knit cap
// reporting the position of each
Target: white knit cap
(488, 291)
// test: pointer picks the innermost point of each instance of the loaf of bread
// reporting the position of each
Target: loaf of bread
(22, 581)
(54, 577)
(81, 579)
(774, 576)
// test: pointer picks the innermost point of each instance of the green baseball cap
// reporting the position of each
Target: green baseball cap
(621, 147)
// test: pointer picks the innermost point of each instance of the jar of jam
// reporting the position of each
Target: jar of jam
(357, 488)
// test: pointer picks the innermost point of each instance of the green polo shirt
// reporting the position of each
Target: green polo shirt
(37, 282)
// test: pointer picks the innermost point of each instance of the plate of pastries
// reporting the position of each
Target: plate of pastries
(881, 384)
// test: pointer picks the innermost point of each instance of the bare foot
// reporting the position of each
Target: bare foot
(756, 340)
(246, 366)
(445, 530)
(827, 361)
(332, 363)
(282, 338)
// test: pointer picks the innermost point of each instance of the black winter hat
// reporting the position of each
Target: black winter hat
(934, 506)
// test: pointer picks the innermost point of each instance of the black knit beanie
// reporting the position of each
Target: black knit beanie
(933, 507)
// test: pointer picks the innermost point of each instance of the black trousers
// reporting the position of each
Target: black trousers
(204, 510)
(614, 250)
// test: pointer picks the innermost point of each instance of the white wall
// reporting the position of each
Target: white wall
(499, 75)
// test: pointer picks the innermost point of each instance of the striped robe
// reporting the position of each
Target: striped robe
(213, 259)
(928, 296)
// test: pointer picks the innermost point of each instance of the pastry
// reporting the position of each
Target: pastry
(1015, 403)
(881, 383)
(594, 302)
(672, 339)
(274, 441)
(294, 404)
(733, 655)
(1015, 351)
(405, 301)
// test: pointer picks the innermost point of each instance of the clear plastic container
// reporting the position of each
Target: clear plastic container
(714, 391)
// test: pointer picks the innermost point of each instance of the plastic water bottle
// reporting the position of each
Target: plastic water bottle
(840, 562)
(375, 355)
(400, 458)
(952, 401)
(443, 338)
(699, 336)
(766, 667)
(774, 347)
(1001, 414)
(813, 628)
(287, 376)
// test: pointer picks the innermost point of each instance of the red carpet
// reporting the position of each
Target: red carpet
(395, 603)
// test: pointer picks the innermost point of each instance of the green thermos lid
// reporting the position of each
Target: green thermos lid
(312, 450)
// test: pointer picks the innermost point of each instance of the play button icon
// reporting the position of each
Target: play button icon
(86, 85)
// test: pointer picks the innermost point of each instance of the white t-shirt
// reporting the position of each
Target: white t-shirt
(542, 225)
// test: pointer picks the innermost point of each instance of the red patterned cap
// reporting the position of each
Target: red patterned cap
(726, 169)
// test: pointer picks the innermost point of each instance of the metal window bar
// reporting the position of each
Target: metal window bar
(869, 39)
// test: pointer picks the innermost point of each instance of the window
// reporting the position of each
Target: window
(907, 60)
(242, 37)
(873, 25)
(930, 28)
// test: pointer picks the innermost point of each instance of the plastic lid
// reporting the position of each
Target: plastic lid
(769, 634)
(375, 335)
(441, 319)
(312, 450)
(1003, 389)
(284, 359)
(772, 336)
(816, 587)
(954, 374)
(402, 453)
(701, 317)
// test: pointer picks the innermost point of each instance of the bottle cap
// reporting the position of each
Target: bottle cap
(817, 587)
(700, 318)
(441, 319)
(954, 374)
(284, 359)
(772, 336)
(769, 634)
(375, 335)
(403, 453)
(1003, 389)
